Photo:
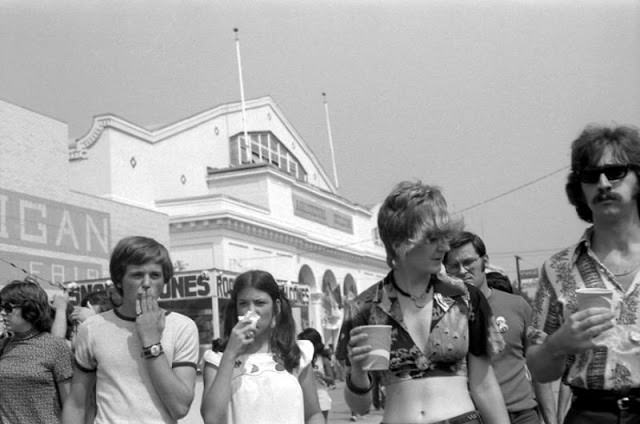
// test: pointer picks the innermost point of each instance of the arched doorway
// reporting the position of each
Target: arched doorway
(331, 308)
(301, 314)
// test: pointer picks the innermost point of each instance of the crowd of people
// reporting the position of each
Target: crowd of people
(464, 348)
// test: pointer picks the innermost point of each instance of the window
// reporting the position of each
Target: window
(264, 147)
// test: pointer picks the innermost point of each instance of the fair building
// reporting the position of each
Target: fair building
(237, 203)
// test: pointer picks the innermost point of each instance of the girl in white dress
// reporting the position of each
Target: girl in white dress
(263, 375)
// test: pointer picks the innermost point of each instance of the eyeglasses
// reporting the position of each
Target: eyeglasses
(456, 267)
(8, 307)
(612, 172)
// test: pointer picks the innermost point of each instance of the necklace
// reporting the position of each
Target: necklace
(420, 301)
(626, 272)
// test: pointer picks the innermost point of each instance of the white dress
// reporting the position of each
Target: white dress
(262, 391)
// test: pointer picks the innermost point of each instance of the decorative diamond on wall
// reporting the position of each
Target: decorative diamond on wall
(133, 161)
(183, 179)
(216, 130)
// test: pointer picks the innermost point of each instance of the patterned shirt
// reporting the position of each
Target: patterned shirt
(460, 324)
(615, 363)
(30, 371)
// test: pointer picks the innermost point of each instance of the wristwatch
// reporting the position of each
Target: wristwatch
(152, 351)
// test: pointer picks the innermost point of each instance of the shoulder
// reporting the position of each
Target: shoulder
(211, 357)
(49, 339)
(561, 257)
(178, 318)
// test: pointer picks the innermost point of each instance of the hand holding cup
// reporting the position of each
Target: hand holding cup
(369, 347)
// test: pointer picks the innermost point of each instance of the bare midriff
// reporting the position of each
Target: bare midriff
(426, 400)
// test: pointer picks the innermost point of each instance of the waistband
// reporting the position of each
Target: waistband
(472, 417)
(606, 400)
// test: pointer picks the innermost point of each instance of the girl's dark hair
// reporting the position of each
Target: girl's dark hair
(283, 337)
(314, 337)
(32, 300)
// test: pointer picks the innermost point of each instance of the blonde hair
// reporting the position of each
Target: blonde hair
(411, 214)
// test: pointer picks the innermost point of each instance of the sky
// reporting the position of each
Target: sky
(479, 98)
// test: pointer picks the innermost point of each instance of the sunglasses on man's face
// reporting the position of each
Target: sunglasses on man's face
(612, 172)
(7, 307)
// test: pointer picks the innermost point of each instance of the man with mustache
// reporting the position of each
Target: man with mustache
(596, 350)
(140, 359)
(468, 260)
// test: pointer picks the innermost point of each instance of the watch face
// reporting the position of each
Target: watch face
(155, 350)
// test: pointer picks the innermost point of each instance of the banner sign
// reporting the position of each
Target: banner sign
(198, 284)
(29, 221)
(531, 273)
(314, 212)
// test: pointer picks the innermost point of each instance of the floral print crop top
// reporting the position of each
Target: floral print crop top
(460, 325)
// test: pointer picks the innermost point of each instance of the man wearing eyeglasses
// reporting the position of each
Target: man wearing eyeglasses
(467, 260)
(596, 348)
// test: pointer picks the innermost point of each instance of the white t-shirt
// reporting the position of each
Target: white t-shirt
(262, 391)
(109, 345)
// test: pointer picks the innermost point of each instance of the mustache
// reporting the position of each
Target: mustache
(604, 196)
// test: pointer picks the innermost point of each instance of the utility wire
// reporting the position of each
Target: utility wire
(513, 190)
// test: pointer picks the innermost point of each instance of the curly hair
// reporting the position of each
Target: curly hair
(138, 250)
(586, 151)
(412, 213)
(32, 300)
(283, 337)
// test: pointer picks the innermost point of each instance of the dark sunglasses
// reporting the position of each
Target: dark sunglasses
(612, 172)
(8, 307)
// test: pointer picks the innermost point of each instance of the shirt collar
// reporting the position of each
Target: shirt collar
(583, 245)
(386, 295)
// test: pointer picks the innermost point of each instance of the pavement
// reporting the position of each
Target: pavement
(339, 413)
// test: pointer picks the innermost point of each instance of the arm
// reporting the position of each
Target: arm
(547, 360)
(312, 412)
(59, 326)
(175, 386)
(75, 404)
(564, 401)
(64, 388)
(546, 401)
(351, 348)
(216, 395)
(485, 391)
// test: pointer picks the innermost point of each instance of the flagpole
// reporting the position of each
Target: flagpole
(333, 154)
(244, 111)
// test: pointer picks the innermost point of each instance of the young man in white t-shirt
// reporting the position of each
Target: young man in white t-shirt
(140, 359)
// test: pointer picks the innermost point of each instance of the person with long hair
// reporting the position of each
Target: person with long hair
(35, 366)
(441, 337)
(321, 369)
(263, 374)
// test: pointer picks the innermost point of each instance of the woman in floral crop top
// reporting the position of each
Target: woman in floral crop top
(441, 339)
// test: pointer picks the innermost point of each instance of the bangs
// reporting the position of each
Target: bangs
(429, 224)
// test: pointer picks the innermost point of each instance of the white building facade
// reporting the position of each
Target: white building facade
(237, 203)
(48, 229)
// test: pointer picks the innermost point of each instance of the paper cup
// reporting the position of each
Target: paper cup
(379, 337)
(593, 298)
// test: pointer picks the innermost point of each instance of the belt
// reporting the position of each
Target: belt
(466, 418)
(472, 417)
(606, 400)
